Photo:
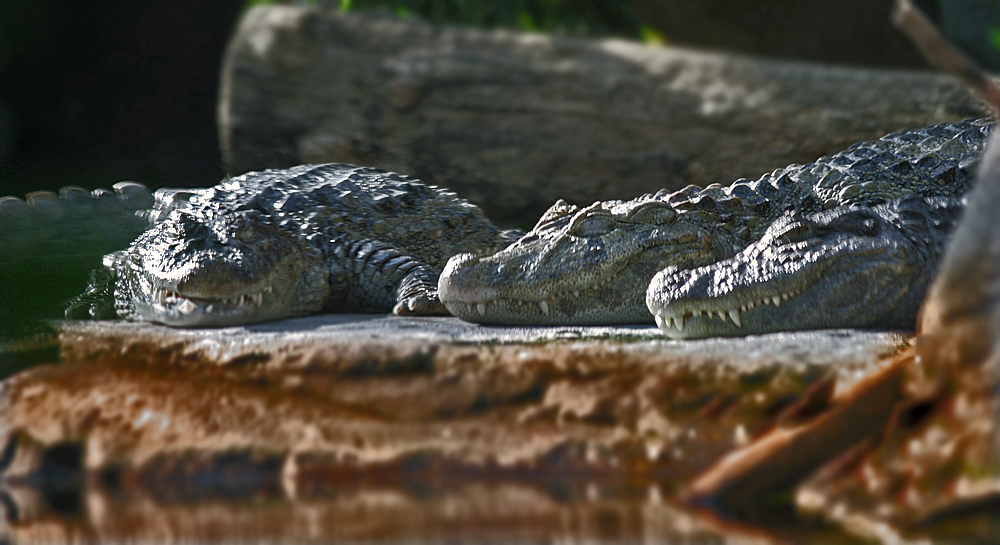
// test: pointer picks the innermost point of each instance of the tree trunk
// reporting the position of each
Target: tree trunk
(515, 121)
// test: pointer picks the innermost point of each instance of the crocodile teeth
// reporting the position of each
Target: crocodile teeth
(735, 316)
(659, 321)
(680, 323)
(481, 307)
(544, 305)
(776, 300)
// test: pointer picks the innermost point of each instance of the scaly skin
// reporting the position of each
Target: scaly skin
(281, 243)
(593, 265)
(850, 267)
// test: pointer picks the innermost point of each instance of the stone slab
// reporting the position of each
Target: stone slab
(337, 335)
(341, 408)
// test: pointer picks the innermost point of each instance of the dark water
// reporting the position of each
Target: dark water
(449, 512)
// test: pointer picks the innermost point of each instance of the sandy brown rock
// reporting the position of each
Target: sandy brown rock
(333, 399)
(515, 121)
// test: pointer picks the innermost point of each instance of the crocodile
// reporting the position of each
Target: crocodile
(852, 266)
(288, 242)
(592, 265)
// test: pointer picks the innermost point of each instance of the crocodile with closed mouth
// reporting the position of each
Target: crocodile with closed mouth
(289, 242)
(850, 267)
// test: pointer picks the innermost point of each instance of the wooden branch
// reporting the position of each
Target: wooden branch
(942, 54)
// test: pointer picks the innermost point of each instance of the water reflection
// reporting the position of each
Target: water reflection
(470, 512)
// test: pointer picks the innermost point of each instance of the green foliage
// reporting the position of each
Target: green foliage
(651, 36)
(578, 17)
(993, 35)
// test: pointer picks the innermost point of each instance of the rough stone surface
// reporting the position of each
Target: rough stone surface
(342, 397)
(327, 426)
(513, 122)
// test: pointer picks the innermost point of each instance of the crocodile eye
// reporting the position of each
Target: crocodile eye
(558, 215)
(247, 233)
(653, 214)
(797, 232)
(185, 226)
(248, 227)
(592, 226)
(528, 239)
(859, 224)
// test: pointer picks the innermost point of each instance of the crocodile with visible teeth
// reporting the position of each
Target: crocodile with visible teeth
(281, 243)
(593, 265)
(853, 266)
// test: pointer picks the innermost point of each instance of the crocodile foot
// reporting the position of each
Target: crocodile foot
(420, 304)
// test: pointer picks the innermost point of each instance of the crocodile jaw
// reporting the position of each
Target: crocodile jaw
(837, 281)
(178, 304)
(218, 281)
(563, 280)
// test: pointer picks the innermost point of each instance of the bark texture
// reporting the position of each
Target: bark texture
(515, 121)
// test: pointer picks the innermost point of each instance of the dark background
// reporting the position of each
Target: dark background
(93, 93)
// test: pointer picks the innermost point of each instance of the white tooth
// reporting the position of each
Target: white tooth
(784, 296)
(680, 323)
(209, 309)
(481, 307)
(751, 305)
(764, 302)
(670, 322)
(186, 307)
(720, 315)
(776, 300)
(544, 305)
(735, 316)
(659, 321)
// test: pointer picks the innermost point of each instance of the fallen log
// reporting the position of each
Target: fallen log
(515, 121)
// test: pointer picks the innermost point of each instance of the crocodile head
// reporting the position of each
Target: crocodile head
(853, 266)
(578, 266)
(207, 270)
